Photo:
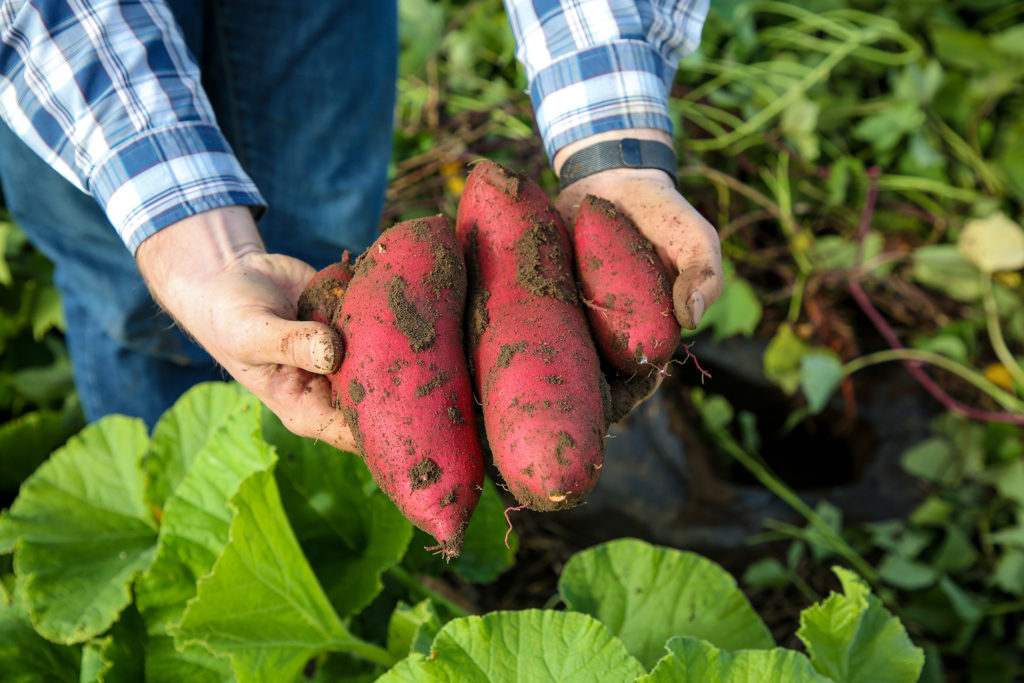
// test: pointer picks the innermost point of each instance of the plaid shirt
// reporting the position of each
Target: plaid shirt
(108, 95)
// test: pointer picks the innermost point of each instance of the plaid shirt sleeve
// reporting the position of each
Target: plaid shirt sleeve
(600, 65)
(108, 95)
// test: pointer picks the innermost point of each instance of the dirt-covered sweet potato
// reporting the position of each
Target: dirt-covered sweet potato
(626, 289)
(534, 364)
(403, 385)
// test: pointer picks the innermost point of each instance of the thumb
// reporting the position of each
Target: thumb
(695, 289)
(312, 346)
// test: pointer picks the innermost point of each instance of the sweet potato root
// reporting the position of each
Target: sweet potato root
(403, 385)
(533, 360)
(626, 289)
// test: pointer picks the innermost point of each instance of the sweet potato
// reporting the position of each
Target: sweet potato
(626, 289)
(322, 297)
(403, 385)
(534, 364)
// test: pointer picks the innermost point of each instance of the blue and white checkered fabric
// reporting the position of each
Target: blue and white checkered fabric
(107, 94)
(599, 65)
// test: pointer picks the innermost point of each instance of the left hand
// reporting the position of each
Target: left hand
(684, 240)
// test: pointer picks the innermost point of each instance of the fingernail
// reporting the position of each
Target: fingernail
(696, 307)
(325, 353)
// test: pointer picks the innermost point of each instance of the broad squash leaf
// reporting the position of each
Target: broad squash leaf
(690, 660)
(646, 594)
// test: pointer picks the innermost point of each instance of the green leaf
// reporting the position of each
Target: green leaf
(83, 530)
(1009, 572)
(47, 312)
(690, 660)
(993, 244)
(26, 441)
(348, 528)
(532, 645)
(799, 122)
(119, 656)
(956, 553)
(967, 50)
(194, 664)
(262, 604)
(821, 371)
(737, 311)
(783, 357)
(646, 594)
(834, 252)
(932, 460)
(196, 518)
(852, 638)
(767, 572)
(943, 267)
(27, 657)
(901, 572)
(182, 431)
(412, 629)
(884, 130)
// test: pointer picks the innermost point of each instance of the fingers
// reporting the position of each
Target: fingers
(269, 340)
(697, 286)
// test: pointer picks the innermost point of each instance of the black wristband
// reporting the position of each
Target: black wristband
(625, 153)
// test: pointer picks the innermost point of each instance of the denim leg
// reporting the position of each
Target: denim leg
(127, 356)
(305, 92)
(308, 109)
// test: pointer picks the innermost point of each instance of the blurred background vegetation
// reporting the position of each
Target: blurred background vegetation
(863, 161)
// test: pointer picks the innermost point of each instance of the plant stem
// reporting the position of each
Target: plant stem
(995, 333)
(780, 489)
(409, 581)
(367, 651)
(919, 355)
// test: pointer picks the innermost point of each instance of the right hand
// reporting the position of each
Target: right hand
(213, 276)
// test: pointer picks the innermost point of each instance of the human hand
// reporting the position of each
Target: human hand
(684, 240)
(212, 274)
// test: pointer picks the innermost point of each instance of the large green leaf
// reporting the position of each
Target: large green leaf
(119, 656)
(412, 629)
(192, 536)
(83, 531)
(852, 638)
(262, 604)
(196, 518)
(183, 430)
(26, 441)
(646, 594)
(27, 657)
(690, 660)
(532, 645)
(348, 528)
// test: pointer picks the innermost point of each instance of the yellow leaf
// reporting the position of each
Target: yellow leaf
(998, 374)
(993, 244)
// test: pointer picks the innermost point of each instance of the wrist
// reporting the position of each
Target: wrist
(651, 134)
(195, 250)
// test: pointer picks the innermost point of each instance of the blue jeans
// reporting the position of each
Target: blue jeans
(304, 92)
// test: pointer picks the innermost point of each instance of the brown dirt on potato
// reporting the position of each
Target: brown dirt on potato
(448, 273)
(423, 474)
(435, 381)
(449, 499)
(477, 318)
(554, 379)
(506, 352)
(536, 252)
(455, 415)
(356, 391)
(325, 295)
(408, 320)
(565, 441)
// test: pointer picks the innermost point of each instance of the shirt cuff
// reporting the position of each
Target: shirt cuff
(613, 86)
(166, 175)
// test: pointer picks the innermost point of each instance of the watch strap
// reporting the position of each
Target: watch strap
(625, 153)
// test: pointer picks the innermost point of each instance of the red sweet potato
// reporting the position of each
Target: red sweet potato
(534, 363)
(322, 297)
(626, 289)
(403, 385)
